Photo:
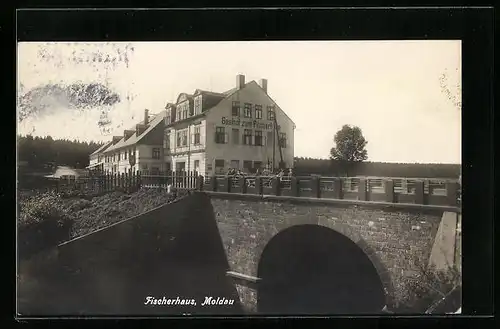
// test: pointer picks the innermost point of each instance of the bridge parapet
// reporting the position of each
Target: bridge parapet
(398, 190)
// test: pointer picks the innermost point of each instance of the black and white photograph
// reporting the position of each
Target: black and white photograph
(165, 178)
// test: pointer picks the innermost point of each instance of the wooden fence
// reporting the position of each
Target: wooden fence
(418, 191)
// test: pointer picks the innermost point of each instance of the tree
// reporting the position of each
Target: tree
(349, 148)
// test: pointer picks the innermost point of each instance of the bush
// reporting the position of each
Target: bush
(433, 291)
(43, 223)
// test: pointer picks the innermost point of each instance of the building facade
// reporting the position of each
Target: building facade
(138, 149)
(242, 128)
(206, 132)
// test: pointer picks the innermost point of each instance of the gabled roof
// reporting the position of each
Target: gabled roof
(155, 120)
(222, 96)
(206, 92)
(102, 148)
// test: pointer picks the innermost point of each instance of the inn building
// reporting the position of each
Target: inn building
(242, 128)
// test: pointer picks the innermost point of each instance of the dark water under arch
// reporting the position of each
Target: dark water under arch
(310, 269)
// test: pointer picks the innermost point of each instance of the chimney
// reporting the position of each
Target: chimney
(139, 128)
(263, 84)
(127, 134)
(146, 116)
(240, 81)
(116, 139)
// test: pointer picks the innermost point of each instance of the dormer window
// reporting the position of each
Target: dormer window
(197, 105)
(182, 111)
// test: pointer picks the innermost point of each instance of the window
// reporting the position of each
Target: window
(196, 136)
(258, 111)
(282, 140)
(179, 139)
(180, 166)
(236, 136)
(235, 111)
(220, 135)
(185, 111)
(247, 165)
(196, 165)
(125, 155)
(247, 110)
(119, 153)
(197, 105)
(247, 137)
(178, 114)
(235, 164)
(184, 137)
(257, 164)
(156, 153)
(219, 166)
(166, 142)
(168, 120)
(270, 113)
(258, 138)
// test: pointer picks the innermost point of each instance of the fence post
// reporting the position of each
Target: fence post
(276, 185)
(199, 182)
(123, 181)
(389, 190)
(213, 183)
(362, 190)
(258, 184)
(126, 182)
(132, 180)
(315, 190)
(139, 181)
(338, 188)
(243, 184)
(452, 193)
(419, 192)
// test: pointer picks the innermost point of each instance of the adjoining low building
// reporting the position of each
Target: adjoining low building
(140, 148)
(96, 159)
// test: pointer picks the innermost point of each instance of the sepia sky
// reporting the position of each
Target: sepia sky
(393, 90)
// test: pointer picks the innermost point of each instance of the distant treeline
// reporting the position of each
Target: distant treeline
(37, 152)
(326, 167)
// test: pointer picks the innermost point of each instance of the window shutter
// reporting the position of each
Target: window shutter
(226, 138)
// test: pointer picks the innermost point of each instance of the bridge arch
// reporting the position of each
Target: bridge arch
(318, 269)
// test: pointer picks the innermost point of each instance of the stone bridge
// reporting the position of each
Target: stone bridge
(308, 255)
(271, 254)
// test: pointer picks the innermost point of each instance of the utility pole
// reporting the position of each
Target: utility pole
(274, 144)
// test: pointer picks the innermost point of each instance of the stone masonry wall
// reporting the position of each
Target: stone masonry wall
(392, 237)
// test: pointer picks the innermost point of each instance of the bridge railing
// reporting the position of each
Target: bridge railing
(417, 191)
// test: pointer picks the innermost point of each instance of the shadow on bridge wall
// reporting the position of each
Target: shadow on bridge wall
(172, 251)
(311, 269)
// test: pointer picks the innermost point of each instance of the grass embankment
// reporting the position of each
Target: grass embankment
(47, 218)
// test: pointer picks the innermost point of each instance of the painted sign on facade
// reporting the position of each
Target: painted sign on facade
(248, 124)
